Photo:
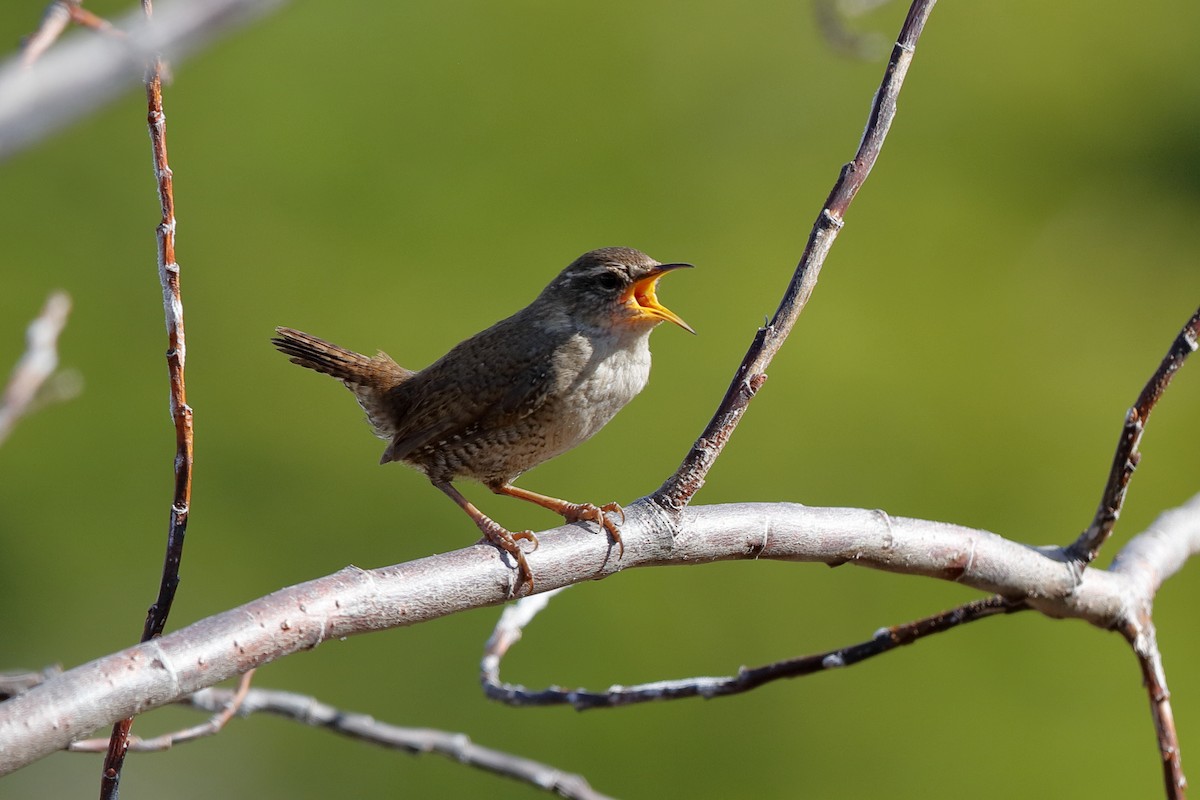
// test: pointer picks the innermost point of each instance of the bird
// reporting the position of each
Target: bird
(527, 389)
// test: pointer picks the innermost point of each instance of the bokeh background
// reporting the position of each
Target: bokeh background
(398, 176)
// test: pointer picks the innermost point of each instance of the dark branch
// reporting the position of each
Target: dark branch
(511, 625)
(1139, 632)
(1125, 460)
(679, 489)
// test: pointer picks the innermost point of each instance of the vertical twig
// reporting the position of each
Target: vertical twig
(1141, 636)
(679, 489)
(1126, 458)
(181, 413)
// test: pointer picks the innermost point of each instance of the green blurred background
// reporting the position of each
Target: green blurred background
(398, 176)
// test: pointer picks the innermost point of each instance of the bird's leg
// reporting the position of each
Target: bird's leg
(571, 512)
(496, 534)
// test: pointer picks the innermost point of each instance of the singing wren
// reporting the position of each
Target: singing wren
(523, 391)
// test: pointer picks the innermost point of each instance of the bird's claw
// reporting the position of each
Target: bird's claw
(579, 512)
(508, 542)
(526, 536)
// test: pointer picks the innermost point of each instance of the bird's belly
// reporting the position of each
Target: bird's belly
(596, 397)
(570, 416)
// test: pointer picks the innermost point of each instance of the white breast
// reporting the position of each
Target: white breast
(614, 374)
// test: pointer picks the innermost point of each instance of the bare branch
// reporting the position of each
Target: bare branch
(221, 716)
(55, 19)
(37, 364)
(832, 18)
(81, 16)
(85, 72)
(515, 617)
(353, 601)
(15, 683)
(1139, 632)
(456, 746)
(181, 412)
(224, 704)
(1126, 459)
(679, 489)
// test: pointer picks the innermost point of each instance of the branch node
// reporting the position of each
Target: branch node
(827, 214)
(833, 661)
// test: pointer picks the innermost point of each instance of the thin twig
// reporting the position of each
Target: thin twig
(81, 16)
(37, 364)
(15, 683)
(215, 724)
(181, 413)
(224, 704)
(1126, 458)
(832, 18)
(55, 19)
(416, 741)
(1140, 634)
(512, 622)
(679, 489)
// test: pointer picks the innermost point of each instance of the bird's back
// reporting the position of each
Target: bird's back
(521, 392)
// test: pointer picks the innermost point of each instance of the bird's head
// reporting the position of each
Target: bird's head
(614, 286)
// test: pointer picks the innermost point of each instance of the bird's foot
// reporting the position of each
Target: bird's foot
(508, 541)
(579, 512)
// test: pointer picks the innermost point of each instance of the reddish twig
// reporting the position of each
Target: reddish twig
(1125, 460)
(81, 16)
(181, 413)
(679, 489)
(509, 629)
(37, 364)
(55, 19)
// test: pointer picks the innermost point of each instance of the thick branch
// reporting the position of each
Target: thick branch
(355, 601)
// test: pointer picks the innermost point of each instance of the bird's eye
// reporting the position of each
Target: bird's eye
(609, 280)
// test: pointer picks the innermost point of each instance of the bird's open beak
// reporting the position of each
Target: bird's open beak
(641, 296)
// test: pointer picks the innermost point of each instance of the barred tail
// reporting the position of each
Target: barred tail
(380, 372)
(370, 379)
